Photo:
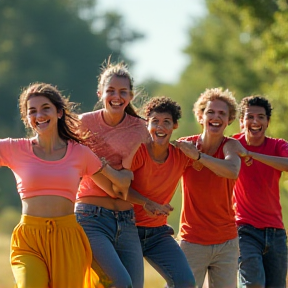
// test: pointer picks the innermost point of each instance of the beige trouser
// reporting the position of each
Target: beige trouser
(220, 261)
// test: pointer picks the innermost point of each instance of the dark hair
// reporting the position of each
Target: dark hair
(120, 69)
(163, 104)
(255, 100)
(216, 94)
(68, 124)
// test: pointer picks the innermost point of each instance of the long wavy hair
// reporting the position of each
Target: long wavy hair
(68, 124)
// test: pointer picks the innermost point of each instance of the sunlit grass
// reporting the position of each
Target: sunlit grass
(6, 278)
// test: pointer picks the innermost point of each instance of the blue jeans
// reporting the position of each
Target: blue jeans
(163, 253)
(113, 236)
(263, 257)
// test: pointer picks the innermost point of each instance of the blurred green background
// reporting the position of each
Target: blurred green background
(240, 45)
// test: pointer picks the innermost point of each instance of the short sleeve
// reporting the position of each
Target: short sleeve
(5, 151)
(92, 162)
(138, 158)
(282, 148)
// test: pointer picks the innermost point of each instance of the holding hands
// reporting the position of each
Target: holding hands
(154, 209)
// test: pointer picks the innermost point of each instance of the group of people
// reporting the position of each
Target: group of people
(97, 186)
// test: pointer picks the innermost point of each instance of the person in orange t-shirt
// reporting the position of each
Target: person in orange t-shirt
(158, 167)
(207, 227)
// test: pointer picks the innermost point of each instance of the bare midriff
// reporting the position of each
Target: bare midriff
(115, 204)
(47, 206)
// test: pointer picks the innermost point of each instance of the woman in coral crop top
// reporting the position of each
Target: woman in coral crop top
(48, 247)
(116, 133)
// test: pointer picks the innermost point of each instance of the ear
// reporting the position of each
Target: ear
(175, 126)
(199, 117)
(241, 125)
(60, 114)
(99, 94)
(131, 95)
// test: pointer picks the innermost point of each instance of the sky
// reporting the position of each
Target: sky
(165, 24)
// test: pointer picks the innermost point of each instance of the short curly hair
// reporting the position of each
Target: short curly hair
(255, 100)
(163, 104)
(216, 94)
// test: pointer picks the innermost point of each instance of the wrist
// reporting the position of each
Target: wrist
(199, 156)
(104, 164)
(249, 154)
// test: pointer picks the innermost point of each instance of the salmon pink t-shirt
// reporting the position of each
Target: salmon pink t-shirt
(156, 181)
(116, 144)
(207, 215)
(256, 192)
(37, 177)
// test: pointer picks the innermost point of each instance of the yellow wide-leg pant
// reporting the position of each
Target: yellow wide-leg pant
(51, 253)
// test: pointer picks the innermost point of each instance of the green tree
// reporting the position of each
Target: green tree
(59, 42)
(240, 45)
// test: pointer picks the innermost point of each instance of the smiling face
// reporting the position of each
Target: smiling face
(160, 127)
(254, 124)
(215, 117)
(116, 95)
(42, 115)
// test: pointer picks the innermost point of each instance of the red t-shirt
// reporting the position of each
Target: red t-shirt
(207, 215)
(256, 192)
(156, 181)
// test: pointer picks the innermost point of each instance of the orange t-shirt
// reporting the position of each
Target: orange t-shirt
(207, 215)
(116, 144)
(156, 181)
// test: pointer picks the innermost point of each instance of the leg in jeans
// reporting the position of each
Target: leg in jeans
(164, 254)
(115, 245)
(263, 257)
(275, 258)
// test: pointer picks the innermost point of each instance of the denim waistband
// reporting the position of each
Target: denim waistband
(98, 210)
(262, 229)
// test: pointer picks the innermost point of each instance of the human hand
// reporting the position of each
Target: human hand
(154, 209)
(122, 188)
(187, 147)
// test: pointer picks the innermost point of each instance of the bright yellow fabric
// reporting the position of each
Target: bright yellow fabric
(51, 253)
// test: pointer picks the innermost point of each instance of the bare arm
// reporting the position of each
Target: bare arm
(115, 183)
(228, 167)
(277, 162)
(152, 208)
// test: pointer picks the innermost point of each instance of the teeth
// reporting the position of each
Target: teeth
(115, 103)
(41, 122)
(255, 129)
(215, 124)
(160, 134)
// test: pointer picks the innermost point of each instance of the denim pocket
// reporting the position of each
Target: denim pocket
(83, 216)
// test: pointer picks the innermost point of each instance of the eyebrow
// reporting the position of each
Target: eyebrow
(259, 114)
(45, 104)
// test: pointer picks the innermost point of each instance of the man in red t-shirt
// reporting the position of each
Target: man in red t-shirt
(262, 237)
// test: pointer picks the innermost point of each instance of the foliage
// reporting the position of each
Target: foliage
(240, 45)
(59, 42)
(9, 218)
